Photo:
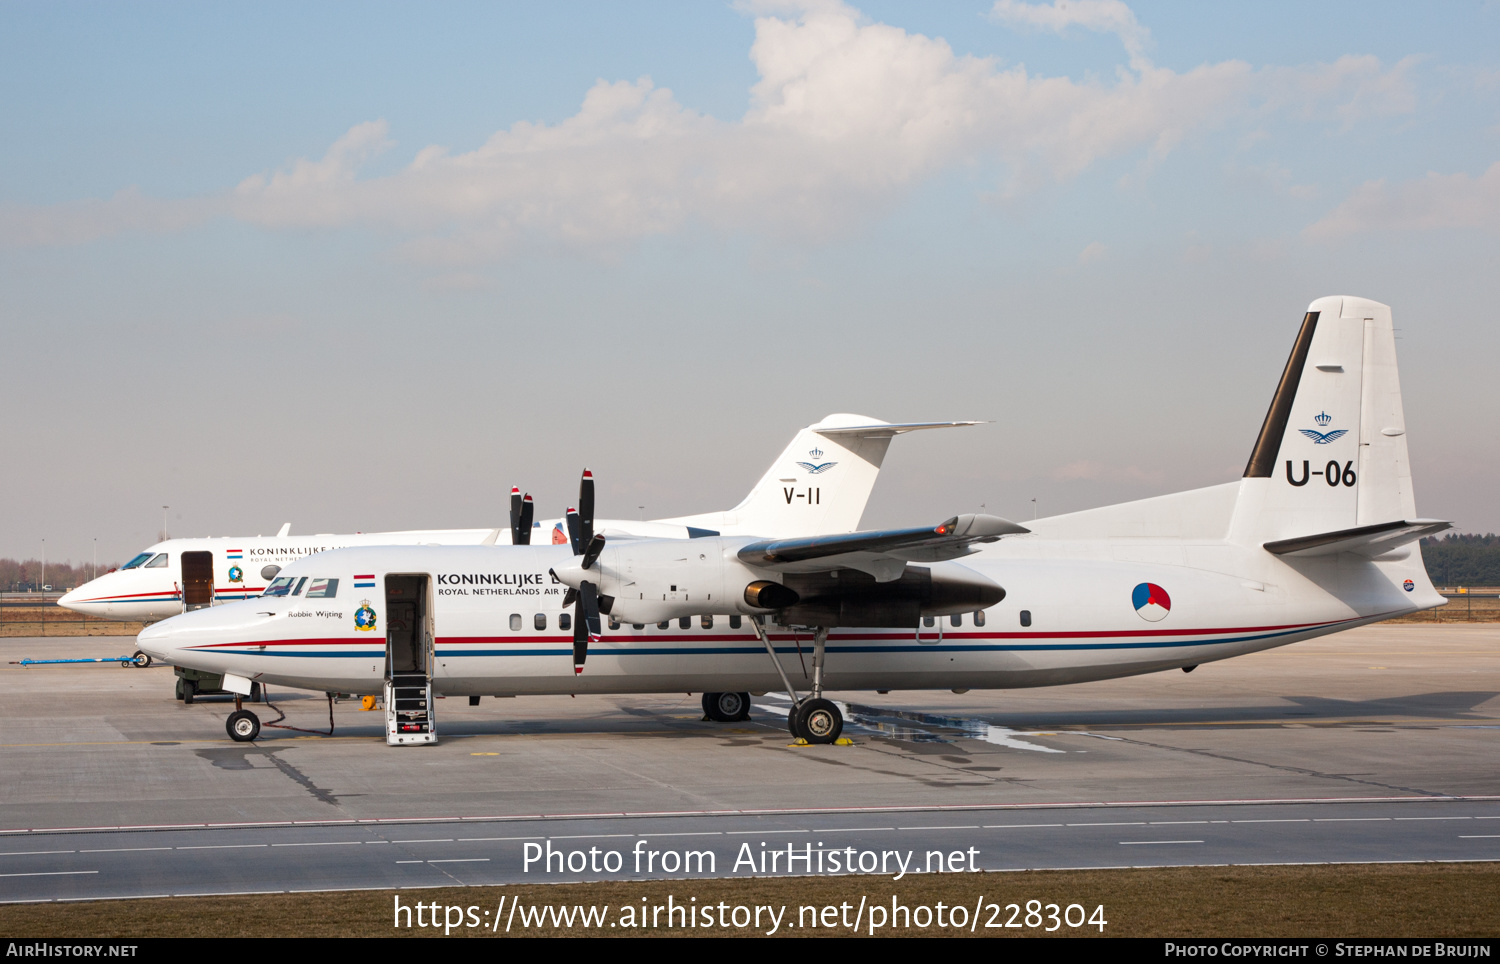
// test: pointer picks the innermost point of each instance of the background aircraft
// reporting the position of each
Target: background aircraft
(1319, 535)
(820, 483)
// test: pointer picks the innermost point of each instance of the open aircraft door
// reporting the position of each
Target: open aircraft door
(197, 580)
(408, 660)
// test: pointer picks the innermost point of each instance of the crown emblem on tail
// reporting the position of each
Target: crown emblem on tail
(1322, 418)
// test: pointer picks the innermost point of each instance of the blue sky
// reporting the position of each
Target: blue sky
(361, 266)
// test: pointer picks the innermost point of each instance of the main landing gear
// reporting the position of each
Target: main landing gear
(812, 719)
(726, 707)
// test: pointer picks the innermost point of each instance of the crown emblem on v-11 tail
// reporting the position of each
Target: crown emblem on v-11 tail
(814, 468)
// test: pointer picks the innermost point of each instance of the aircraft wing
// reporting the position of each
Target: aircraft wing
(1365, 540)
(882, 553)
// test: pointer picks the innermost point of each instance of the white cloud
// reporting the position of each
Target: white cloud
(1101, 16)
(847, 116)
(1433, 202)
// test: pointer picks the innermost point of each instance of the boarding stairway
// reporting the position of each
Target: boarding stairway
(408, 710)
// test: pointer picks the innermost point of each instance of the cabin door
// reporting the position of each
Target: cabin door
(197, 580)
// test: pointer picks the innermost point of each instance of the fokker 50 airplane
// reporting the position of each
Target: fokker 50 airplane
(801, 494)
(1319, 535)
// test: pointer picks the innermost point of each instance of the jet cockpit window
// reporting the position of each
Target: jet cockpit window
(158, 561)
(323, 589)
(281, 586)
(297, 589)
(138, 560)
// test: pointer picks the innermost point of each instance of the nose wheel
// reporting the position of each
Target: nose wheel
(243, 726)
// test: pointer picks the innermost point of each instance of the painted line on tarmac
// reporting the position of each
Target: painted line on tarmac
(777, 811)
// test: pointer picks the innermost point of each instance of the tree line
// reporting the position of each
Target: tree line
(21, 575)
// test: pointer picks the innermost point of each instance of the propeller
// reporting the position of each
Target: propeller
(521, 510)
(585, 600)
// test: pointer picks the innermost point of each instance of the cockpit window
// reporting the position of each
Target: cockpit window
(323, 589)
(297, 590)
(281, 586)
(159, 561)
(137, 560)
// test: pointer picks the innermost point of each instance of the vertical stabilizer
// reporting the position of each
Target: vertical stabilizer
(819, 484)
(1331, 453)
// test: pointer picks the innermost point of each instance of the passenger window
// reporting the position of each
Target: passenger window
(300, 583)
(540, 621)
(565, 621)
(280, 587)
(323, 589)
(957, 619)
(614, 623)
(928, 621)
(667, 624)
(157, 562)
(684, 622)
(137, 561)
(515, 622)
(707, 622)
(1025, 617)
(734, 622)
(637, 625)
(979, 617)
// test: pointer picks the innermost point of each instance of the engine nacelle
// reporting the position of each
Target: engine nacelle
(650, 581)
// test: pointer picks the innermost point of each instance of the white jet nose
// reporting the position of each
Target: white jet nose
(77, 600)
(156, 640)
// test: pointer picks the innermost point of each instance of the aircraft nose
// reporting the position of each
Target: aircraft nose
(156, 640)
(75, 600)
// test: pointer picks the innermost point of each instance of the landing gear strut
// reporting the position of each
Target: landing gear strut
(812, 719)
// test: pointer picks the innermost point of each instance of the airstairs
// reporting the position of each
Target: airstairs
(408, 710)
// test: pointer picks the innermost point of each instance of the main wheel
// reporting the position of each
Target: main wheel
(243, 726)
(189, 690)
(710, 706)
(142, 659)
(178, 693)
(255, 693)
(732, 707)
(820, 721)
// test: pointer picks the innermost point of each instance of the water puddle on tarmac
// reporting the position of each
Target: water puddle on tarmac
(912, 727)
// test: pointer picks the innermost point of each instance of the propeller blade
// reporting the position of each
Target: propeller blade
(585, 624)
(575, 535)
(570, 596)
(528, 509)
(515, 516)
(591, 553)
(586, 509)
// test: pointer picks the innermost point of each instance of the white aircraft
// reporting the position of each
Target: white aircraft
(795, 497)
(1319, 535)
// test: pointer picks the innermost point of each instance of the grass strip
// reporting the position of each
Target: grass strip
(1320, 901)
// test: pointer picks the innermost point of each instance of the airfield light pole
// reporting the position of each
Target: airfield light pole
(43, 581)
(164, 522)
(1033, 510)
(96, 558)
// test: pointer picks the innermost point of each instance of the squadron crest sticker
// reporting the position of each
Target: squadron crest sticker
(364, 617)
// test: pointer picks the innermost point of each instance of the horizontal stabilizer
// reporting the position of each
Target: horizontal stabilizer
(887, 429)
(882, 553)
(1365, 540)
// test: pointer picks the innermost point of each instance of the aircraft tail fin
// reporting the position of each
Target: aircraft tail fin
(1331, 455)
(819, 484)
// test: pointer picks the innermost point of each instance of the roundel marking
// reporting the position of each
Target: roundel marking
(1408, 585)
(1151, 601)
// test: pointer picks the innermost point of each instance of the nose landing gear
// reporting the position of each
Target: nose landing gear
(243, 726)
